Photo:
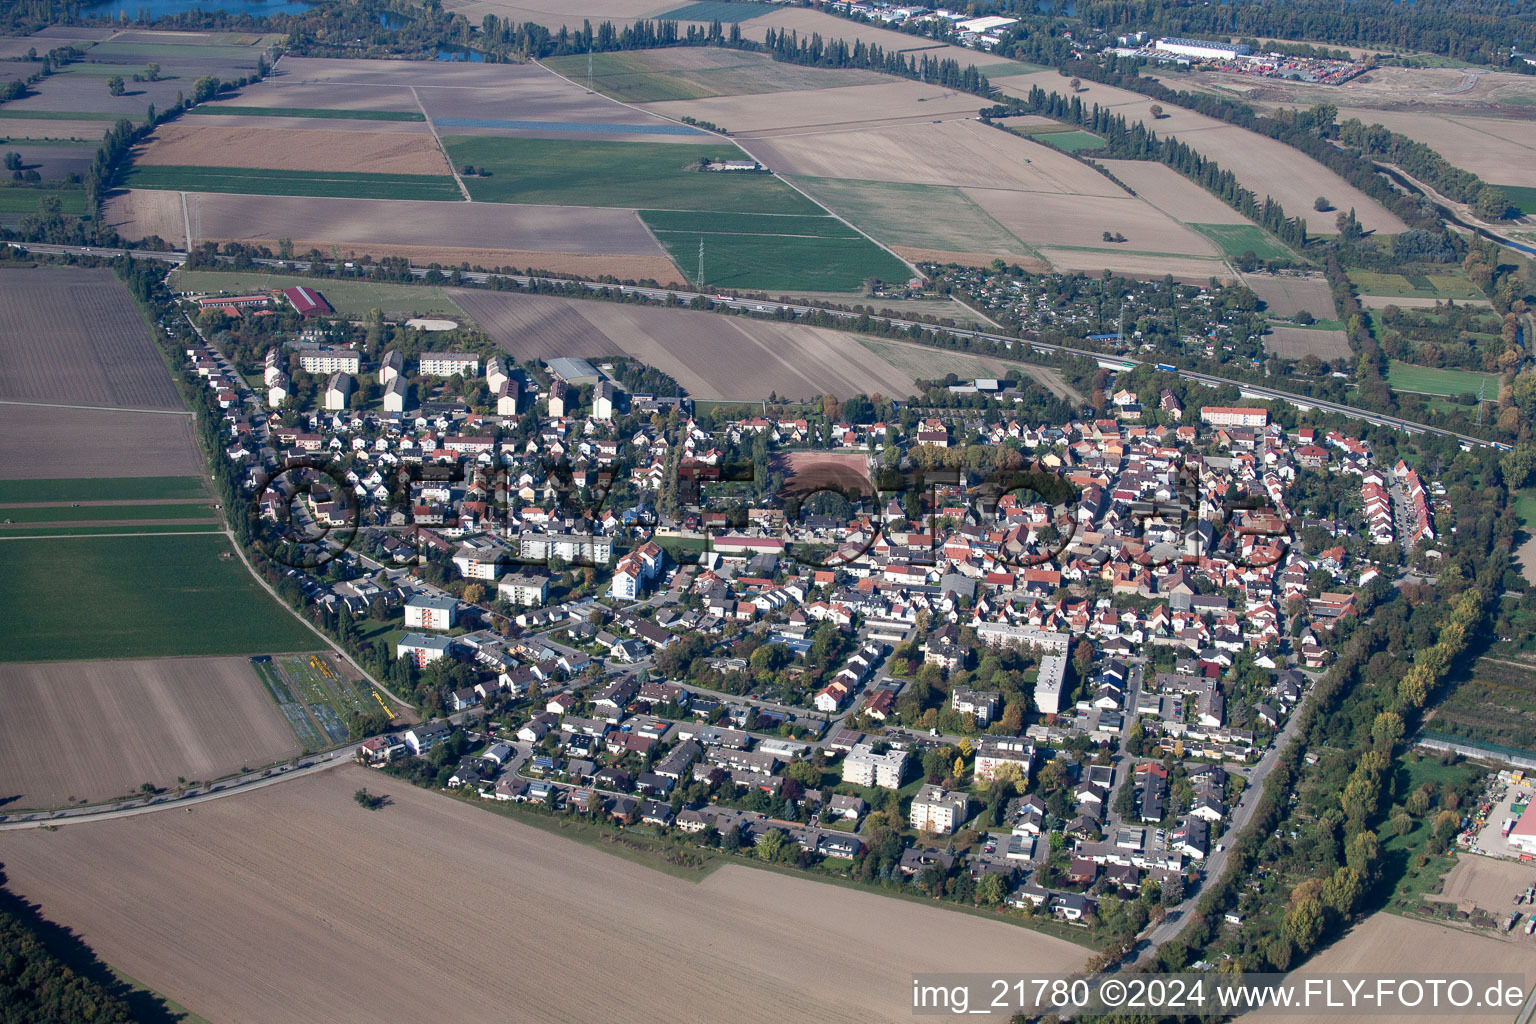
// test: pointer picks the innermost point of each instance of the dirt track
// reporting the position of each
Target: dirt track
(369, 915)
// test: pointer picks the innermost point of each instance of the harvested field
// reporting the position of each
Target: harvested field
(1081, 220)
(1191, 269)
(912, 218)
(1384, 944)
(857, 106)
(293, 880)
(965, 153)
(96, 730)
(711, 355)
(556, 14)
(52, 160)
(579, 240)
(682, 73)
(271, 181)
(1265, 166)
(73, 335)
(1485, 882)
(47, 442)
(1033, 264)
(925, 363)
(805, 472)
(198, 145)
(1287, 295)
(1296, 342)
(1496, 149)
(1172, 193)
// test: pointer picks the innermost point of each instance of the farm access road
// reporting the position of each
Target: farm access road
(800, 309)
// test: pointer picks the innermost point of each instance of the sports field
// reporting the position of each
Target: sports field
(774, 253)
(1429, 381)
(1239, 239)
(275, 182)
(136, 597)
(639, 175)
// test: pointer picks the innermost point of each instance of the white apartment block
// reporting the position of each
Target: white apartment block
(935, 810)
(571, 547)
(449, 364)
(426, 612)
(1051, 681)
(330, 360)
(523, 589)
(993, 752)
(864, 767)
(1000, 634)
(1230, 416)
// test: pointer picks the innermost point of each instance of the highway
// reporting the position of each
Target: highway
(797, 309)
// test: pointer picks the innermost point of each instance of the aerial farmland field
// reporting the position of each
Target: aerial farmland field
(48, 442)
(1289, 294)
(94, 730)
(685, 73)
(712, 355)
(299, 866)
(348, 298)
(1296, 342)
(194, 144)
(262, 181)
(150, 596)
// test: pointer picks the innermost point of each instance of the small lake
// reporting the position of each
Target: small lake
(160, 8)
(470, 55)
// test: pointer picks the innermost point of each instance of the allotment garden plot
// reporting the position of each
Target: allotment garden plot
(319, 703)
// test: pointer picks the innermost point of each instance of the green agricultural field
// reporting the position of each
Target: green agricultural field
(26, 200)
(746, 223)
(1424, 286)
(345, 115)
(174, 51)
(127, 488)
(1072, 142)
(137, 597)
(1428, 381)
(1522, 197)
(782, 263)
(1009, 69)
(938, 217)
(62, 115)
(256, 181)
(49, 531)
(347, 297)
(630, 76)
(636, 175)
(717, 10)
(1236, 240)
(102, 513)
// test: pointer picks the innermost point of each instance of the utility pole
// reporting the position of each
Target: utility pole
(589, 71)
(701, 261)
(1482, 388)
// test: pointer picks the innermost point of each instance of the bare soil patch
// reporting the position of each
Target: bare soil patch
(1172, 193)
(1262, 164)
(1296, 342)
(804, 472)
(1405, 948)
(1287, 295)
(585, 240)
(97, 730)
(1191, 269)
(43, 443)
(849, 107)
(297, 882)
(196, 145)
(1496, 149)
(1082, 220)
(711, 355)
(964, 153)
(968, 259)
(1486, 882)
(73, 335)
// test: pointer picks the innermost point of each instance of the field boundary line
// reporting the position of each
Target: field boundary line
(186, 220)
(463, 188)
(96, 408)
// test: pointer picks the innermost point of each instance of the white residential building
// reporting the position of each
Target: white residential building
(993, 752)
(449, 364)
(330, 360)
(338, 390)
(423, 611)
(524, 589)
(936, 810)
(864, 767)
(423, 650)
(1049, 684)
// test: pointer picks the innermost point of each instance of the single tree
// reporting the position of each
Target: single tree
(1156, 110)
(1077, 84)
(1321, 204)
(115, 85)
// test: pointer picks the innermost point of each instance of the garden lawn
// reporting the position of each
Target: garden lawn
(634, 175)
(137, 597)
(1237, 240)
